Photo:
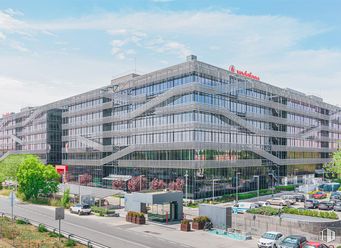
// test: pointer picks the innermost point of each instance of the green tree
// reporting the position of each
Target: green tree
(334, 167)
(66, 198)
(10, 165)
(35, 178)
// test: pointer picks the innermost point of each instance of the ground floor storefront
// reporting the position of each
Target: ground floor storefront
(195, 183)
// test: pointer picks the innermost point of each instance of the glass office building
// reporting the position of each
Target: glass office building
(198, 127)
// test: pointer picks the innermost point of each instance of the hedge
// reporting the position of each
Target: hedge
(286, 188)
(102, 211)
(270, 211)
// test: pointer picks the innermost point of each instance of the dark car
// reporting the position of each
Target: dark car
(293, 241)
(335, 197)
(326, 205)
(299, 198)
(311, 203)
(337, 206)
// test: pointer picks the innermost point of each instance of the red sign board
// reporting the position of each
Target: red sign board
(243, 73)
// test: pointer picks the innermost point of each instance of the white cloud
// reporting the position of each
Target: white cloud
(13, 12)
(19, 47)
(2, 36)
(266, 45)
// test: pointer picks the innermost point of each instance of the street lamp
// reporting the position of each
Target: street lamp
(186, 188)
(141, 182)
(295, 177)
(79, 188)
(237, 184)
(213, 188)
(257, 186)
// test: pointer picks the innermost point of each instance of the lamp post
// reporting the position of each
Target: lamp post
(257, 186)
(141, 182)
(237, 184)
(213, 188)
(272, 182)
(295, 176)
(79, 188)
(186, 188)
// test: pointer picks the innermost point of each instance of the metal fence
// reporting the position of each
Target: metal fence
(15, 241)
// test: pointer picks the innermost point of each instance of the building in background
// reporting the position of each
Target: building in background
(192, 126)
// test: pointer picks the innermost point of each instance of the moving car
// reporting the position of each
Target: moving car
(269, 240)
(311, 203)
(319, 195)
(81, 209)
(279, 202)
(337, 206)
(293, 241)
(325, 205)
(316, 245)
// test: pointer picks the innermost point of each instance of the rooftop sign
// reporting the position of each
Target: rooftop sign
(243, 73)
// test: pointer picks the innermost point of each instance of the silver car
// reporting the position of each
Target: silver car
(337, 206)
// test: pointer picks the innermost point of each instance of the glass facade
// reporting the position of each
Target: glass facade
(187, 126)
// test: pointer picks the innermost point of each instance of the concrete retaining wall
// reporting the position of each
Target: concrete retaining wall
(259, 224)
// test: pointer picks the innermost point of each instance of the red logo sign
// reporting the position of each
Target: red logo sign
(243, 73)
(231, 68)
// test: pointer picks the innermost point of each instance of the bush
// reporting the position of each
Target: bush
(55, 235)
(286, 188)
(70, 243)
(185, 222)
(22, 221)
(269, 211)
(65, 201)
(42, 228)
(201, 219)
(55, 203)
(102, 211)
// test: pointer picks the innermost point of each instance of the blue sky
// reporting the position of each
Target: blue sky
(53, 49)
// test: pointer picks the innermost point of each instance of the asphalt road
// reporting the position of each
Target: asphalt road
(109, 235)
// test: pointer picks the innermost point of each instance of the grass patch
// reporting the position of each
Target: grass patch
(5, 192)
(19, 235)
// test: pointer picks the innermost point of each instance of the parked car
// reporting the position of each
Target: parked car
(279, 202)
(316, 245)
(325, 205)
(335, 197)
(289, 198)
(242, 207)
(336, 193)
(299, 197)
(262, 203)
(293, 241)
(269, 240)
(81, 209)
(337, 206)
(311, 203)
(319, 195)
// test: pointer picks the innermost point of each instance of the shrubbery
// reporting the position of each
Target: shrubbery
(286, 188)
(201, 219)
(270, 211)
(102, 211)
(42, 228)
